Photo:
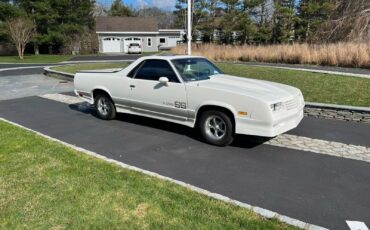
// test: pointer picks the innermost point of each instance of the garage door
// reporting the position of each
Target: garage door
(111, 45)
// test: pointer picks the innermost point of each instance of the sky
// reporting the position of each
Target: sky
(164, 4)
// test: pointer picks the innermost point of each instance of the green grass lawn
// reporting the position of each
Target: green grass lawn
(43, 58)
(89, 66)
(316, 87)
(45, 185)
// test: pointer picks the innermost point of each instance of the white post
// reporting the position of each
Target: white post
(189, 27)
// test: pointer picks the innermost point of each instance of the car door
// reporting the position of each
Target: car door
(151, 97)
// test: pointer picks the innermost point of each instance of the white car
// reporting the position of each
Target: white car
(134, 48)
(192, 91)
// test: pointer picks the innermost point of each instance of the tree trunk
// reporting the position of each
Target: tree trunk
(36, 48)
(22, 51)
(308, 31)
(19, 49)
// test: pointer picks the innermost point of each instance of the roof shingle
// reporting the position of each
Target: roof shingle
(126, 24)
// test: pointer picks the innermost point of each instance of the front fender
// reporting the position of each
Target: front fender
(216, 103)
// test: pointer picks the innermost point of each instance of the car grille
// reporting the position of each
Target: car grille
(292, 104)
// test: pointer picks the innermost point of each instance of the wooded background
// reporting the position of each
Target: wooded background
(68, 25)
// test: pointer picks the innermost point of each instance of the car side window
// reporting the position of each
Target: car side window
(152, 70)
(132, 73)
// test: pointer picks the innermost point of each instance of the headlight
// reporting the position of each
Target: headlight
(277, 106)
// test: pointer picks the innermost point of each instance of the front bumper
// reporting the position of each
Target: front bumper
(273, 128)
(134, 51)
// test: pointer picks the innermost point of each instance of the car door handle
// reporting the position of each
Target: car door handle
(132, 86)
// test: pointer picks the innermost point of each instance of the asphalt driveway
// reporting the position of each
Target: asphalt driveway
(24, 80)
(31, 85)
(314, 188)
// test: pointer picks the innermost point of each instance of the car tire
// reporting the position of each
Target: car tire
(104, 106)
(216, 128)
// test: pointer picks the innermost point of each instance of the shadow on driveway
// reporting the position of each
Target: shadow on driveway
(241, 141)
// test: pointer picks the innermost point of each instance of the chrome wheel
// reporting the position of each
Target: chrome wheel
(215, 127)
(103, 106)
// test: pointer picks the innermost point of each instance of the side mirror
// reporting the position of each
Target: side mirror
(164, 80)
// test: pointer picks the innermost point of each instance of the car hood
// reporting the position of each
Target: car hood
(265, 90)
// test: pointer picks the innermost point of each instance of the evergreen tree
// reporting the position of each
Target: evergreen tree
(257, 20)
(57, 21)
(119, 8)
(180, 14)
(283, 21)
(230, 20)
(7, 11)
(200, 16)
(311, 14)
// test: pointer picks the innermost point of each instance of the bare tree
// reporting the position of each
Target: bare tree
(99, 10)
(21, 30)
(350, 21)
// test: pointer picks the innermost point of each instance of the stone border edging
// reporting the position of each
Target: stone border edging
(338, 112)
(260, 211)
(312, 109)
(334, 106)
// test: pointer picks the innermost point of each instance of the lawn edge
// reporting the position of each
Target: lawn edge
(96, 61)
(260, 211)
(48, 71)
(299, 68)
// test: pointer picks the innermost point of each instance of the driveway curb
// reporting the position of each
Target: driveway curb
(23, 67)
(58, 74)
(261, 211)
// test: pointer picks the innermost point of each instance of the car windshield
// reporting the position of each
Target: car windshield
(195, 69)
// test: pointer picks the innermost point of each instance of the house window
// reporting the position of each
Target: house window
(149, 42)
(162, 40)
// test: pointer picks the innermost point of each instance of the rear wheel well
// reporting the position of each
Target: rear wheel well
(97, 92)
(215, 108)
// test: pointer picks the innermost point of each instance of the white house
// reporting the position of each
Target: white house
(116, 33)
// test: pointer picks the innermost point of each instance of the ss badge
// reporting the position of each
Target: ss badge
(180, 105)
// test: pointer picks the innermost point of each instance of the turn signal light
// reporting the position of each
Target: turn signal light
(242, 113)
